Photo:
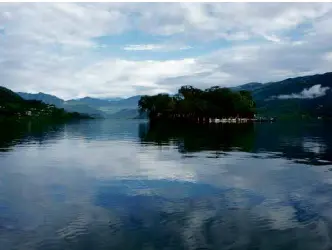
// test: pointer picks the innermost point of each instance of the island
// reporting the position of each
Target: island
(190, 104)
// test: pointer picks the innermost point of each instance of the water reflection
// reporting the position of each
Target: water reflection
(194, 138)
(13, 133)
(303, 143)
(309, 143)
(126, 185)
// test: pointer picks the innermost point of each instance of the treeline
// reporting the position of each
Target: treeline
(199, 105)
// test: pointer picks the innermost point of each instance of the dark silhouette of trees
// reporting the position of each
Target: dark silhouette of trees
(199, 105)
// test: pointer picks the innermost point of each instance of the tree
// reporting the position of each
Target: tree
(195, 104)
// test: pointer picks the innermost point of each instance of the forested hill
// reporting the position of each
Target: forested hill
(69, 106)
(14, 106)
(45, 98)
(308, 96)
(292, 86)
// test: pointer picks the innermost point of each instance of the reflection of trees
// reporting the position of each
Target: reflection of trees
(13, 133)
(301, 142)
(194, 137)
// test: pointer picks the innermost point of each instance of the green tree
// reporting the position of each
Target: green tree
(199, 105)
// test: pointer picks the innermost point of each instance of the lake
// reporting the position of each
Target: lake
(107, 184)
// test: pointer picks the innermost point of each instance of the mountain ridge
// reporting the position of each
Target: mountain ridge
(267, 96)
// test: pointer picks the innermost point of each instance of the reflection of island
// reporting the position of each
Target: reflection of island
(308, 143)
(304, 143)
(192, 138)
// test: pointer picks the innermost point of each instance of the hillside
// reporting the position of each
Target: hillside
(45, 98)
(308, 96)
(292, 85)
(69, 106)
(105, 108)
(6, 95)
(248, 86)
(14, 106)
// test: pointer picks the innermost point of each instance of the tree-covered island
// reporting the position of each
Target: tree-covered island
(196, 105)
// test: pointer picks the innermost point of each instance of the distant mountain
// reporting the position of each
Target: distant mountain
(131, 101)
(93, 102)
(46, 98)
(109, 107)
(14, 106)
(248, 86)
(121, 108)
(79, 107)
(113, 99)
(128, 114)
(115, 108)
(86, 109)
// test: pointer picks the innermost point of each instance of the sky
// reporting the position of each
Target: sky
(73, 50)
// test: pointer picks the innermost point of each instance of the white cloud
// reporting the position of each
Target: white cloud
(54, 48)
(143, 47)
(328, 56)
(155, 47)
(313, 92)
(61, 23)
(111, 77)
(258, 63)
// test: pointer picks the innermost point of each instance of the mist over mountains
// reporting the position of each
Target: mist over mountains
(310, 93)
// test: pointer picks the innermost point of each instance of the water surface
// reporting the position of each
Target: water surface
(107, 184)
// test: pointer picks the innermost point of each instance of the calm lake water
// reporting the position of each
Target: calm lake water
(108, 184)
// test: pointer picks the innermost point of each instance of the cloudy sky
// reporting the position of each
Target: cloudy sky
(110, 49)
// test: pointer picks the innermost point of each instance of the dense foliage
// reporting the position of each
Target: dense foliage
(195, 104)
(14, 106)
